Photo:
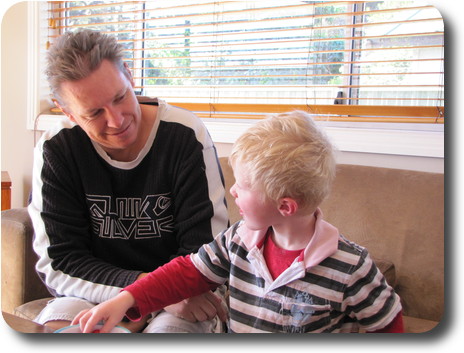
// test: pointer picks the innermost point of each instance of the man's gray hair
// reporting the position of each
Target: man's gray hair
(75, 55)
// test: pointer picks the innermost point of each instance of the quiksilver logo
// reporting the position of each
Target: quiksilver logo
(124, 218)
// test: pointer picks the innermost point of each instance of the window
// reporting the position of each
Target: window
(349, 61)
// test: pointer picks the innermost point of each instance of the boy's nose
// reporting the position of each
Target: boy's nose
(232, 191)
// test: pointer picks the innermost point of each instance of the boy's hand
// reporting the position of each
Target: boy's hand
(111, 312)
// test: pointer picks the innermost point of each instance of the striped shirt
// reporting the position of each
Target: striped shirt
(333, 286)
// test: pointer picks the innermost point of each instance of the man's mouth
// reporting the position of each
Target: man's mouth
(120, 132)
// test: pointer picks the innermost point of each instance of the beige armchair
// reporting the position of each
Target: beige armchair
(20, 282)
(397, 214)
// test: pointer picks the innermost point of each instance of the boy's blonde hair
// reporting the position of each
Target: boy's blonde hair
(287, 155)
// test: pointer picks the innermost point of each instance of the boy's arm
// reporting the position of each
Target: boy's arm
(169, 284)
(396, 326)
(177, 280)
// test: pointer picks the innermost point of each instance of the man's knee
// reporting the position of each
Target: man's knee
(165, 322)
(61, 311)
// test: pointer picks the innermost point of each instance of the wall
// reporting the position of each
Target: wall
(17, 142)
(434, 165)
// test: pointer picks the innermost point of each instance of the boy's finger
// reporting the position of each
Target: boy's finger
(108, 326)
(88, 325)
(77, 318)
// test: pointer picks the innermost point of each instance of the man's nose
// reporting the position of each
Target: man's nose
(114, 117)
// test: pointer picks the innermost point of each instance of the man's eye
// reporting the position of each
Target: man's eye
(95, 114)
(120, 98)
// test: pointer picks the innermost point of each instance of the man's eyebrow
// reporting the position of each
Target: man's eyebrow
(121, 93)
(90, 111)
(118, 94)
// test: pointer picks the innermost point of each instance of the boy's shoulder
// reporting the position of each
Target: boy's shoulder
(348, 257)
(346, 245)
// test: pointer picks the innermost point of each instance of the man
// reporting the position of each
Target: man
(120, 189)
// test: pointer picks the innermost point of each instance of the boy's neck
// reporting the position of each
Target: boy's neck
(295, 232)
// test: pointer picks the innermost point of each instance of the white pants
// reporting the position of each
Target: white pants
(66, 308)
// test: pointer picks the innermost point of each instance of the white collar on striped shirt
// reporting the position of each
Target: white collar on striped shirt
(323, 243)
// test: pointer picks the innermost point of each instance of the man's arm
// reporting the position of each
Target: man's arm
(62, 232)
(198, 185)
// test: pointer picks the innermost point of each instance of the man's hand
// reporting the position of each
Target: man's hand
(140, 276)
(200, 308)
(111, 312)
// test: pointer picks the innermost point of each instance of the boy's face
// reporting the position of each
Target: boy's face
(256, 210)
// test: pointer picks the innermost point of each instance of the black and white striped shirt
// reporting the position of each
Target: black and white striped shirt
(334, 287)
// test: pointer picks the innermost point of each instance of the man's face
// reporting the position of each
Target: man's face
(105, 107)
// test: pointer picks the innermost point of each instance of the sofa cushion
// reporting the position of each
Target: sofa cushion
(416, 325)
(397, 215)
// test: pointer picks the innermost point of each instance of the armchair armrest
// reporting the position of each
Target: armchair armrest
(20, 282)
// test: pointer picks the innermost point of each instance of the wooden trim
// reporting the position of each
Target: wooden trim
(344, 113)
(321, 112)
(336, 109)
(379, 110)
(330, 118)
(6, 191)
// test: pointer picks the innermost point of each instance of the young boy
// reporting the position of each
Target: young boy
(288, 269)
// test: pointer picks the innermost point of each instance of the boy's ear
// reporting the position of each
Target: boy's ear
(288, 206)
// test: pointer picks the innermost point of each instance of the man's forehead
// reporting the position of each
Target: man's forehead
(85, 101)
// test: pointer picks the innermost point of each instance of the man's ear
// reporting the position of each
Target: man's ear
(288, 206)
(128, 74)
(57, 104)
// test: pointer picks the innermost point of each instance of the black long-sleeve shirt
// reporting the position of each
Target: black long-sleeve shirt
(99, 223)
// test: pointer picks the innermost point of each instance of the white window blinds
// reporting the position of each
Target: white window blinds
(341, 60)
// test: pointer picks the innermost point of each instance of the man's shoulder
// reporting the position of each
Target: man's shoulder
(62, 127)
(62, 132)
(172, 113)
(184, 119)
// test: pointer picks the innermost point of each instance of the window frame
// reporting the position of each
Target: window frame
(424, 140)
